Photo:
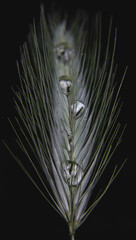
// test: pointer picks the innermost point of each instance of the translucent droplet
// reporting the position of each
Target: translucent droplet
(77, 109)
(70, 141)
(65, 84)
(63, 52)
(73, 173)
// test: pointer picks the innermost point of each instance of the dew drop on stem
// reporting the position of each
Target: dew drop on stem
(65, 84)
(63, 53)
(77, 109)
(73, 173)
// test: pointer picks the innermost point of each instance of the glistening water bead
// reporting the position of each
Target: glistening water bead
(63, 52)
(65, 84)
(77, 109)
(73, 173)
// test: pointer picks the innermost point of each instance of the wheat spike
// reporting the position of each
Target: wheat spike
(68, 105)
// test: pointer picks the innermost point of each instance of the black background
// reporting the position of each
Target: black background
(24, 212)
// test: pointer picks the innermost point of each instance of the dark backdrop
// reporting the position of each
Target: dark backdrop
(24, 212)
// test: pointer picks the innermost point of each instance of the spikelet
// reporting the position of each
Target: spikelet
(69, 108)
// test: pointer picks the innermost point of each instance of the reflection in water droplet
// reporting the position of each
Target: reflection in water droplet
(73, 173)
(77, 109)
(65, 84)
(70, 141)
(63, 52)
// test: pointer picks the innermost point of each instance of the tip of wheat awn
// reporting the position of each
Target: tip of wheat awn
(68, 110)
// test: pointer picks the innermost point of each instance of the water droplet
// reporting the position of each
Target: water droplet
(77, 109)
(70, 141)
(63, 52)
(65, 84)
(73, 173)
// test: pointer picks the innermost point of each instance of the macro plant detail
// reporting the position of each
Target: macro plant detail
(68, 109)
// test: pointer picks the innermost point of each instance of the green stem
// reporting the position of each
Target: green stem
(73, 236)
(72, 231)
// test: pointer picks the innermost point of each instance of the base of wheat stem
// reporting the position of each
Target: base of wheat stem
(71, 231)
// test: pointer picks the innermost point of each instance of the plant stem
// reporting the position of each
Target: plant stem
(73, 236)
(72, 231)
